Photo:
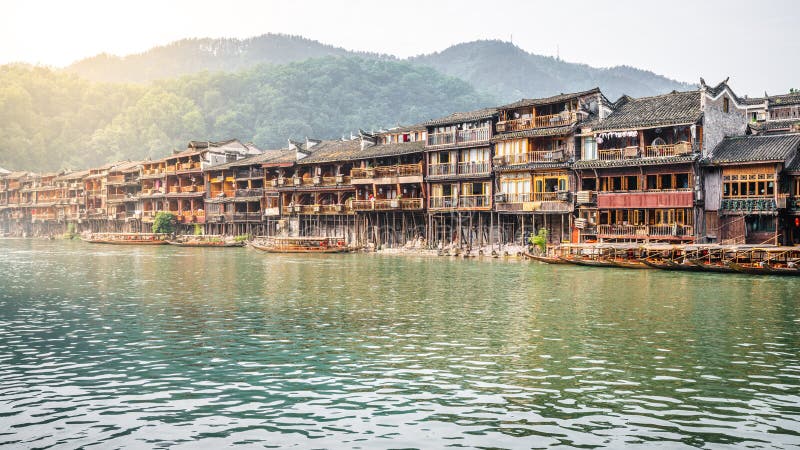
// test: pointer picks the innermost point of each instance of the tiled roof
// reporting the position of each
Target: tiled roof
(753, 100)
(548, 100)
(784, 99)
(675, 108)
(756, 148)
(251, 160)
(394, 149)
(286, 157)
(633, 162)
(332, 151)
(780, 124)
(401, 129)
(126, 166)
(459, 117)
(536, 132)
(73, 175)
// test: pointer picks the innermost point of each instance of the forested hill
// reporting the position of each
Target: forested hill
(502, 69)
(510, 73)
(189, 56)
(51, 120)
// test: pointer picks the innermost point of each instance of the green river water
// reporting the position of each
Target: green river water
(143, 347)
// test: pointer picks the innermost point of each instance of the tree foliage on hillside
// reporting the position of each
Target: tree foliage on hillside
(51, 120)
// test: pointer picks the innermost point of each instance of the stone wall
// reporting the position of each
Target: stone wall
(718, 124)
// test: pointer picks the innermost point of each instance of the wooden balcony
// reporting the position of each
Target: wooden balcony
(317, 209)
(249, 173)
(528, 123)
(474, 167)
(538, 156)
(661, 151)
(395, 171)
(387, 204)
(646, 232)
(459, 137)
(617, 154)
(256, 192)
(555, 202)
(462, 168)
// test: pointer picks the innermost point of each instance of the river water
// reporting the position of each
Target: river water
(160, 346)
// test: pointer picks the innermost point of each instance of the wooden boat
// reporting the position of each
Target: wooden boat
(588, 262)
(127, 238)
(317, 245)
(631, 264)
(712, 267)
(755, 269)
(545, 259)
(213, 241)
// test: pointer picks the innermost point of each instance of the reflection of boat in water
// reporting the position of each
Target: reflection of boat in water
(127, 238)
(754, 269)
(305, 244)
(215, 241)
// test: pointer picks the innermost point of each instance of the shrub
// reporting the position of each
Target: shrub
(164, 222)
(539, 240)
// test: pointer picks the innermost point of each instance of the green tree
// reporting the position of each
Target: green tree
(164, 222)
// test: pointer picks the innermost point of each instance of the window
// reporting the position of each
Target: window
(726, 105)
(589, 148)
(589, 184)
(632, 183)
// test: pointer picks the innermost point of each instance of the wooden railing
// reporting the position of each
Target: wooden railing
(251, 173)
(474, 167)
(537, 156)
(442, 202)
(474, 201)
(255, 192)
(527, 123)
(614, 154)
(645, 231)
(387, 204)
(400, 170)
(460, 136)
(442, 169)
(658, 151)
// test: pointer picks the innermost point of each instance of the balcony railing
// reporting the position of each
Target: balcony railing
(474, 201)
(442, 202)
(474, 167)
(659, 151)
(442, 169)
(527, 123)
(400, 170)
(615, 154)
(645, 231)
(255, 192)
(251, 173)
(537, 156)
(387, 204)
(460, 136)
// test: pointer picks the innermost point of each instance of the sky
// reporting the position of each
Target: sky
(753, 43)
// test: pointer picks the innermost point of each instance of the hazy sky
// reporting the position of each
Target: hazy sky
(755, 43)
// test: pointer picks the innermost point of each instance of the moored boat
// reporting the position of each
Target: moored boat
(545, 259)
(214, 241)
(306, 244)
(755, 269)
(127, 238)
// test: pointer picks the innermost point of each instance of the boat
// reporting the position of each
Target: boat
(755, 269)
(712, 267)
(305, 244)
(545, 259)
(214, 241)
(631, 264)
(127, 238)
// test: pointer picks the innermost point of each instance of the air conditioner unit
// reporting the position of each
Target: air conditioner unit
(500, 197)
(340, 179)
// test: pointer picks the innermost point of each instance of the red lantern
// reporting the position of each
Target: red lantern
(797, 221)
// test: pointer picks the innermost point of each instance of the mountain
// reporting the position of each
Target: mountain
(190, 56)
(51, 120)
(502, 69)
(509, 73)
